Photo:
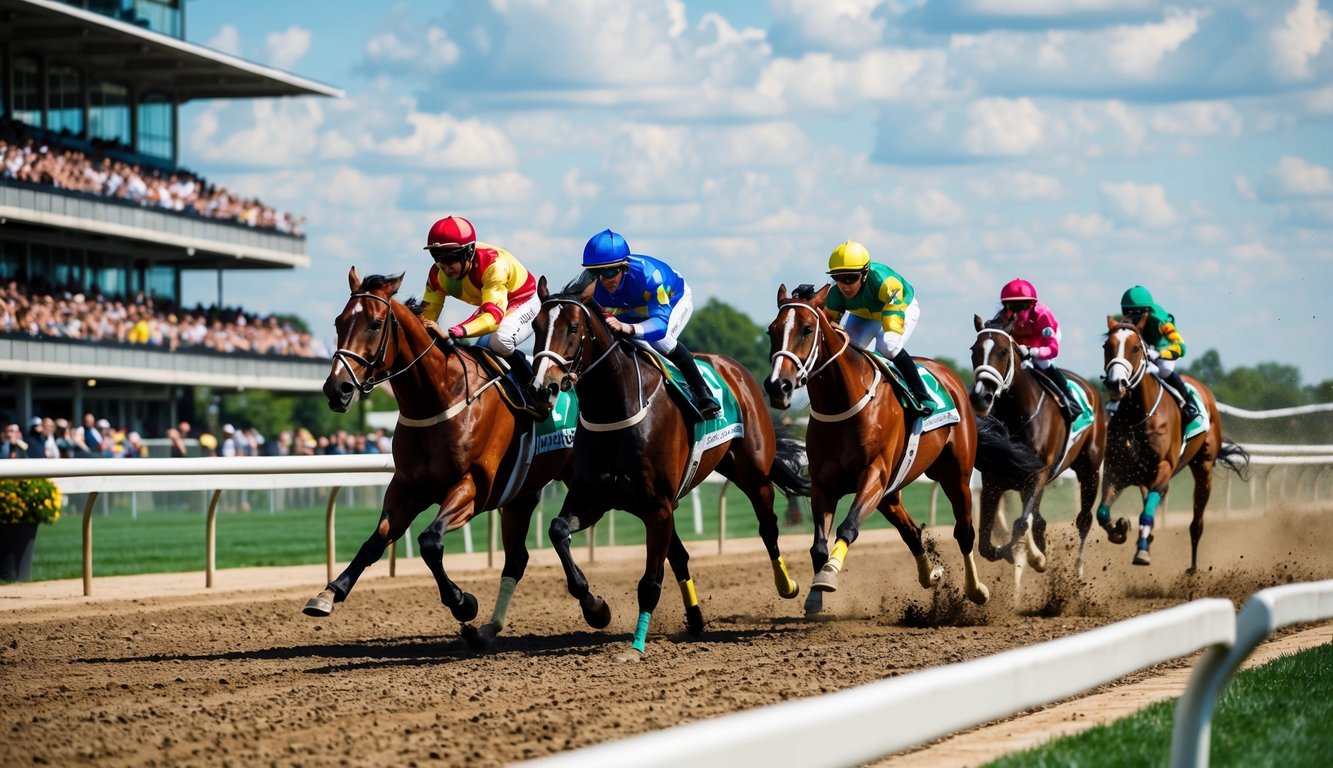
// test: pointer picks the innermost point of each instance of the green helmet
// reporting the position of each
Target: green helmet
(1136, 298)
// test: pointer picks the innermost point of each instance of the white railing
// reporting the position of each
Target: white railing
(888, 716)
(891, 715)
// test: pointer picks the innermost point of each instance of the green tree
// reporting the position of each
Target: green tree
(721, 328)
(1207, 368)
(1265, 386)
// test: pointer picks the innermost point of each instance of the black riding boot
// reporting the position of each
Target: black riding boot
(907, 367)
(520, 368)
(1068, 405)
(708, 406)
(1188, 412)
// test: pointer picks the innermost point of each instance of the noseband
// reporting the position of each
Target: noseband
(343, 354)
(805, 369)
(573, 367)
(1134, 374)
(991, 373)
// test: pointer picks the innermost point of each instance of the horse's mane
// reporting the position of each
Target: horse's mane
(375, 282)
(996, 325)
(1122, 325)
(415, 306)
(574, 288)
(804, 291)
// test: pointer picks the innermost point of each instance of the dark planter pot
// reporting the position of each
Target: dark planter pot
(16, 544)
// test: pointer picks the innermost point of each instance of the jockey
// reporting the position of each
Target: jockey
(880, 308)
(490, 279)
(1037, 332)
(650, 302)
(1165, 344)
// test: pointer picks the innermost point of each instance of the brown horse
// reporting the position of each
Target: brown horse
(1146, 445)
(859, 442)
(634, 449)
(457, 444)
(1008, 390)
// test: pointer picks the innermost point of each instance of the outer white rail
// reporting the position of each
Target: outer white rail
(891, 715)
(1264, 612)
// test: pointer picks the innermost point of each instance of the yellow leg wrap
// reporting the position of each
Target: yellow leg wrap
(838, 555)
(687, 593)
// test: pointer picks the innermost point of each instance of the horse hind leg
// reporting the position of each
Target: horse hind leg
(991, 495)
(514, 522)
(1203, 490)
(596, 611)
(760, 493)
(1087, 494)
(955, 486)
(928, 574)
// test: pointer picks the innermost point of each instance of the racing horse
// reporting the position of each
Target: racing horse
(1147, 444)
(860, 441)
(457, 443)
(1007, 389)
(635, 450)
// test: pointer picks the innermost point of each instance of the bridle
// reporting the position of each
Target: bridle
(373, 364)
(1134, 374)
(805, 369)
(991, 373)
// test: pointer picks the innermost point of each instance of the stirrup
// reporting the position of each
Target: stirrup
(708, 406)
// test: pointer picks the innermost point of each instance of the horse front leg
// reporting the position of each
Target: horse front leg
(680, 567)
(954, 482)
(927, 573)
(398, 510)
(1086, 472)
(761, 498)
(661, 530)
(1118, 533)
(1203, 490)
(822, 507)
(1156, 492)
(514, 521)
(457, 507)
(873, 486)
(991, 494)
(596, 611)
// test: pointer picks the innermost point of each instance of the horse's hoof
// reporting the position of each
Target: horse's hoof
(814, 603)
(1037, 560)
(629, 657)
(1005, 553)
(480, 639)
(1141, 557)
(320, 605)
(694, 621)
(467, 610)
(1118, 533)
(793, 589)
(596, 611)
(825, 581)
(979, 595)
(936, 575)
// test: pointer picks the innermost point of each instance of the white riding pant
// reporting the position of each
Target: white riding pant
(1161, 366)
(863, 331)
(680, 315)
(515, 328)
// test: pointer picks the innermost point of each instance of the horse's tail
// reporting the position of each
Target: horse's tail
(997, 451)
(787, 463)
(1235, 458)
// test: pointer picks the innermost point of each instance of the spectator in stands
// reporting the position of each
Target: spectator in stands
(91, 435)
(178, 450)
(41, 445)
(134, 447)
(208, 444)
(13, 446)
(228, 447)
(63, 439)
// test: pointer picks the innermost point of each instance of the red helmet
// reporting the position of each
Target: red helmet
(451, 232)
(1018, 290)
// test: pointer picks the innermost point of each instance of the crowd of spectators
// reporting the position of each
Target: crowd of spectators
(77, 166)
(57, 438)
(45, 312)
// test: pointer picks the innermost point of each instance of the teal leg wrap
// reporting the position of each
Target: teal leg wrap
(1149, 508)
(1103, 515)
(641, 632)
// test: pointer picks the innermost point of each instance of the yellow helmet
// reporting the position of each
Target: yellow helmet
(851, 256)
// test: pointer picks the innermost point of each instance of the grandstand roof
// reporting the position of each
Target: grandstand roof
(151, 60)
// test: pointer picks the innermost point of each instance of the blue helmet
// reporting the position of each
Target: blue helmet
(605, 249)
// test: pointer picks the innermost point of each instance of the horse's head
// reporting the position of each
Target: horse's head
(365, 332)
(994, 361)
(1125, 358)
(567, 329)
(793, 341)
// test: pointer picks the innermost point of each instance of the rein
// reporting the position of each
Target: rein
(991, 373)
(804, 367)
(1135, 377)
(572, 368)
(343, 354)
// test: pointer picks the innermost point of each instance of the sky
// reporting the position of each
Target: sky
(1084, 145)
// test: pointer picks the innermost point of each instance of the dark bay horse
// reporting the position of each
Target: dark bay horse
(1008, 390)
(1147, 443)
(457, 444)
(635, 451)
(859, 441)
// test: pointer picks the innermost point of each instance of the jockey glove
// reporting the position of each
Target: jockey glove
(457, 332)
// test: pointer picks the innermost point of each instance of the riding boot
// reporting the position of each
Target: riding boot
(520, 368)
(1068, 405)
(708, 406)
(907, 367)
(1188, 412)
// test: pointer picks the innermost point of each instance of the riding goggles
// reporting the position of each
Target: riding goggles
(847, 278)
(452, 254)
(608, 273)
(1017, 306)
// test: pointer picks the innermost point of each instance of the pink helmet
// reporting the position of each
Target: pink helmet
(1018, 290)
(451, 232)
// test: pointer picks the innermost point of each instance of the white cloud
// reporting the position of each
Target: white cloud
(350, 188)
(505, 188)
(1137, 50)
(838, 25)
(1143, 204)
(286, 48)
(1003, 126)
(1086, 225)
(1018, 185)
(427, 49)
(1305, 30)
(1244, 188)
(281, 133)
(444, 141)
(1198, 118)
(934, 208)
(1320, 102)
(1297, 177)
(227, 40)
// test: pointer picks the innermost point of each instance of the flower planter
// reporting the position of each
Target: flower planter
(16, 545)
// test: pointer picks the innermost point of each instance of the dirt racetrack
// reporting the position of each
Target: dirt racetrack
(243, 678)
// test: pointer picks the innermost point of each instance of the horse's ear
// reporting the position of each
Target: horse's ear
(782, 293)
(353, 281)
(542, 291)
(817, 301)
(978, 322)
(1111, 323)
(395, 283)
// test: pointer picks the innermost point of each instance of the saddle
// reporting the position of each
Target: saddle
(676, 386)
(906, 398)
(511, 391)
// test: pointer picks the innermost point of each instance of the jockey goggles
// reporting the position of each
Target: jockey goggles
(1018, 305)
(846, 278)
(452, 254)
(608, 273)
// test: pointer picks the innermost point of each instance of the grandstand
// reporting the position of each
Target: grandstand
(96, 85)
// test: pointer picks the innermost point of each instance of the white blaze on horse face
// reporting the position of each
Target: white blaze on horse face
(545, 363)
(357, 309)
(1118, 369)
(986, 347)
(787, 328)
